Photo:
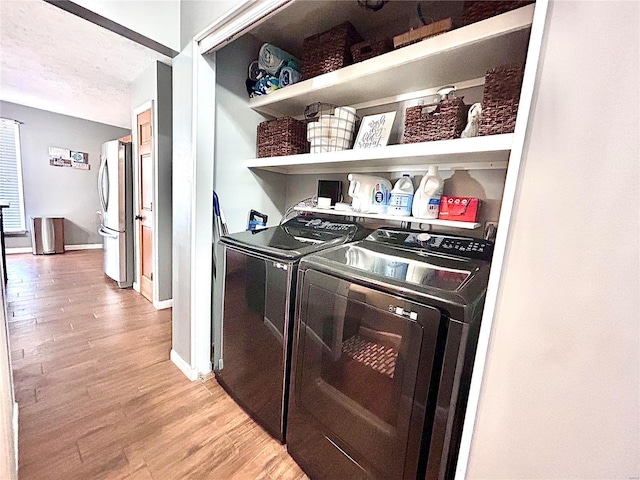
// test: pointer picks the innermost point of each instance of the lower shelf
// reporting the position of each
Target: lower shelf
(377, 216)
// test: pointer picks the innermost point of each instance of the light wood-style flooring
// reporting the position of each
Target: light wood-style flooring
(98, 396)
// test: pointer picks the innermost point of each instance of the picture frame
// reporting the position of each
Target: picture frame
(375, 131)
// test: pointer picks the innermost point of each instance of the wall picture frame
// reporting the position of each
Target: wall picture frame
(375, 130)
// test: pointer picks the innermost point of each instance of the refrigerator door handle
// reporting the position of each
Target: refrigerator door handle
(103, 233)
(104, 199)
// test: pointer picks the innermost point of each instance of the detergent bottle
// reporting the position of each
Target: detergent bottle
(401, 197)
(426, 202)
(370, 194)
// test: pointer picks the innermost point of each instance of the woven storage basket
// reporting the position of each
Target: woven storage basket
(500, 100)
(283, 136)
(476, 10)
(328, 51)
(370, 48)
(446, 122)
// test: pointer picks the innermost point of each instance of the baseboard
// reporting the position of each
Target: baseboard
(136, 287)
(12, 250)
(162, 304)
(178, 361)
(84, 246)
(15, 437)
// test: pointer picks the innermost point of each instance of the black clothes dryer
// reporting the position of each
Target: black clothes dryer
(384, 339)
(260, 271)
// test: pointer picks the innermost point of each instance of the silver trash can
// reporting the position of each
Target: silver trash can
(47, 235)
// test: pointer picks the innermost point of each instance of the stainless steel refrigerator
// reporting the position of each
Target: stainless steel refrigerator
(115, 191)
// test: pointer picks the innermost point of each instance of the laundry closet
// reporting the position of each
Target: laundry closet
(481, 167)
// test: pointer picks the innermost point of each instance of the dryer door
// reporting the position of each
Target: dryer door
(364, 362)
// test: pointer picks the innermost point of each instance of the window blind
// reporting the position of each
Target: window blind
(11, 176)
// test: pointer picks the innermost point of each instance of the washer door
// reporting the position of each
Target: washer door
(363, 366)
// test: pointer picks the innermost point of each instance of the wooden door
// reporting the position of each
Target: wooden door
(145, 203)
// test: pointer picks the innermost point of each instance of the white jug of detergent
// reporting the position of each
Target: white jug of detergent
(370, 194)
(401, 197)
(426, 201)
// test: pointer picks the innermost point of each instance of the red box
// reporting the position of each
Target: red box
(459, 209)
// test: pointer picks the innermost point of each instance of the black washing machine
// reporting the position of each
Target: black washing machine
(384, 340)
(260, 271)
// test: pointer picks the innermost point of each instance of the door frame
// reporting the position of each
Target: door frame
(249, 13)
(148, 105)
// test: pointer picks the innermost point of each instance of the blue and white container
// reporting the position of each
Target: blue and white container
(401, 198)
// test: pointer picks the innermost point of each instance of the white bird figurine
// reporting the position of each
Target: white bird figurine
(473, 121)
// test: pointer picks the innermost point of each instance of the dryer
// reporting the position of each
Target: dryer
(260, 272)
(385, 334)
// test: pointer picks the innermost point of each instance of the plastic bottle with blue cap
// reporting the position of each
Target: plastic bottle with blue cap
(426, 202)
(401, 198)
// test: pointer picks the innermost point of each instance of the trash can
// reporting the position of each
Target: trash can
(47, 235)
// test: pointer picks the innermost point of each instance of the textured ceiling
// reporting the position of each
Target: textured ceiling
(56, 61)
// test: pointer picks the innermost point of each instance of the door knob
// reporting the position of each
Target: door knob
(138, 217)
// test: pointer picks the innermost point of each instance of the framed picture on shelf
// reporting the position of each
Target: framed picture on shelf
(375, 130)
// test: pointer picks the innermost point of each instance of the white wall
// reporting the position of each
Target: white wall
(60, 191)
(196, 15)
(238, 188)
(155, 84)
(560, 394)
(158, 20)
(183, 164)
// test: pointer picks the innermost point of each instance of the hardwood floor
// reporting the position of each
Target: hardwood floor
(98, 397)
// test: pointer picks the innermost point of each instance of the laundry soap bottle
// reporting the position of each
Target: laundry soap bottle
(369, 194)
(401, 197)
(426, 202)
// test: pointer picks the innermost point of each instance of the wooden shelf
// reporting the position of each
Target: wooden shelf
(460, 153)
(397, 218)
(462, 54)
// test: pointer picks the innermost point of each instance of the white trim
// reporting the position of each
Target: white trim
(202, 209)
(506, 215)
(84, 246)
(163, 304)
(16, 411)
(13, 250)
(194, 184)
(148, 105)
(178, 361)
(224, 30)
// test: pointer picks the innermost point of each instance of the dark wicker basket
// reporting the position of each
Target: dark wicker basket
(476, 10)
(500, 100)
(370, 48)
(328, 51)
(446, 122)
(283, 136)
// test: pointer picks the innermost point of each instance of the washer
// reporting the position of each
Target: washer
(260, 271)
(384, 342)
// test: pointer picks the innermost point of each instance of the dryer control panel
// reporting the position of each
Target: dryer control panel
(466, 247)
(463, 246)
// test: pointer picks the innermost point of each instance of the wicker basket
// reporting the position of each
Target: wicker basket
(283, 136)
(328, 51)
(445, 122)
(476, 10)
(500, 100)
(370, 48)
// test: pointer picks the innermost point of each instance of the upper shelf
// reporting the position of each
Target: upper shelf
(491, 151)
(462, 54)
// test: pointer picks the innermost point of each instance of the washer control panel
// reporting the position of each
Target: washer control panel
(463, 246)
